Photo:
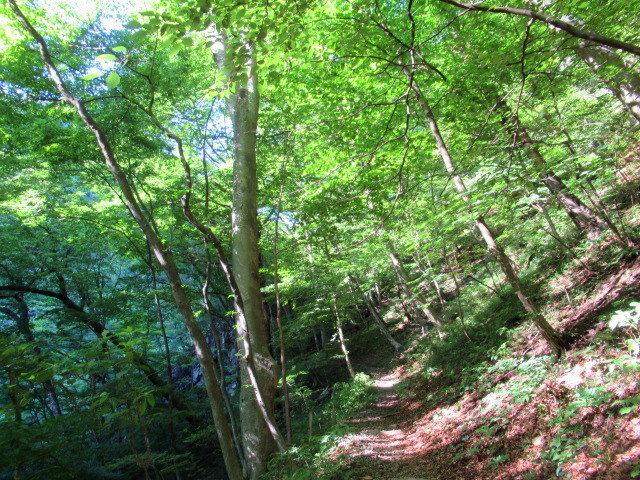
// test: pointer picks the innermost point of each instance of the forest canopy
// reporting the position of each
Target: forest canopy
(212, 212)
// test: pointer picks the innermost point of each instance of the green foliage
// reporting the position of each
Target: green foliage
(532, 373)
(315, 457)
(310, 460)
(563, 447)
(350, 397)
(347, 160)
(570, 436)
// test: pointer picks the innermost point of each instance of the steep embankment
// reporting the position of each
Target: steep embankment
(519, 415)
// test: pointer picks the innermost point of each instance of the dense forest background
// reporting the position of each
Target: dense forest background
(216, 215)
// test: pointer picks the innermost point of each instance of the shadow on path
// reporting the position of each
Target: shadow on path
(384, 446)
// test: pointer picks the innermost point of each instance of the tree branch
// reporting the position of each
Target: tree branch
(102, 332)
(551, 20)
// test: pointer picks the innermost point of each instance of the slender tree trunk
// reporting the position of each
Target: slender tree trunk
(458, 292)
(208, 307)
(420, 304)
(378, 297)
(617, 74)
(625, 238)
(276, 289)
(553, 338)
(580, 214)
(381, 325)
(17, 418)
(167, 354)
(343, 344)
(101, 332)
(161, 253)
(376, 317)
(436, 285)
(561, 24)
(456, 285)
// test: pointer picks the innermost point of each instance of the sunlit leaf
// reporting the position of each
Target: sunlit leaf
(133, 24)
(175, 48)
(113, 80)
(106, 57)
(92, 76)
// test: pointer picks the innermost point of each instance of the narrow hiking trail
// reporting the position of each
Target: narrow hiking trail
(385, 443)
(519, 418)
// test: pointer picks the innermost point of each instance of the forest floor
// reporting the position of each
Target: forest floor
(521, 415)
(384, 442)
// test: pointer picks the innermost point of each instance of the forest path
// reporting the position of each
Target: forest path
(384, 444)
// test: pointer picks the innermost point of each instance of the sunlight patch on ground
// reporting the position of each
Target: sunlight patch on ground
(386, 383)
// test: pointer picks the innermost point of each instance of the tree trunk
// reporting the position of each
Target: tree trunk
(376, 316)
(167, 356)
(581, 215)
(558, 23)
(17, 418)
(554, 339)
(343, 344)
(260, 434)
(424, 314)
(24, 326)
(276, 289)
(615, 73)
(381, 325)
(208, 307)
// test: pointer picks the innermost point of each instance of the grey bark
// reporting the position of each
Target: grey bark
(560, 24)
(580, 214)
(208, 307)
(167, 353)
(343, 343)
(381, 325)
(617, 74)
(376, 316)
(276, 289)
(260, 433)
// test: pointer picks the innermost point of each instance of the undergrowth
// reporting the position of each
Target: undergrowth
(313, 457)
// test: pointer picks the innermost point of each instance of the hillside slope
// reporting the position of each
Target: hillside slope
(520, 414)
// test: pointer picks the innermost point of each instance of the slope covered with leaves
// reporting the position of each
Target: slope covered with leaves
(485, 406)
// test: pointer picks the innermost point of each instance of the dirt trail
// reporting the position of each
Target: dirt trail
(385, 444)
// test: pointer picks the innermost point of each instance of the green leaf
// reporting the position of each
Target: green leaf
(175, 48)
(106, 57)
(113, 80)
(119, 49)
(133, 24)
(625, 410)
(92, 76)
